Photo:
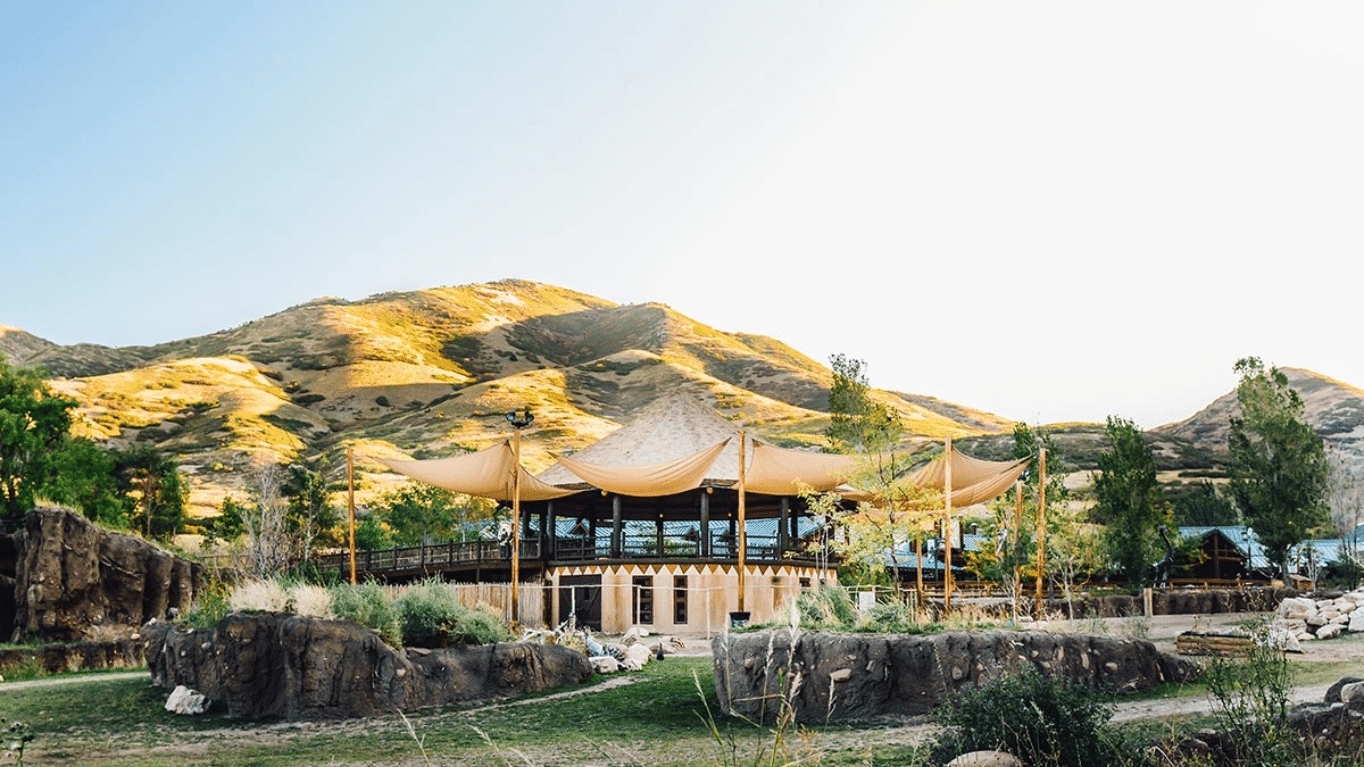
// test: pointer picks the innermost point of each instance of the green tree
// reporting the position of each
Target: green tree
(1125, 491)
(1200, 503)
(34, 425)
(84, 477)
(418, 513)
(1015, 545)
(311, 515)
(155, 494)
(857, 424)
(1279, 475)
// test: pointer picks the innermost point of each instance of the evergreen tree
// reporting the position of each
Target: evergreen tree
(1127, 502)
(857, 424)
(1280, 475)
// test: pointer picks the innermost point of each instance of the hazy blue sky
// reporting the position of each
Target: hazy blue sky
(1050, 210)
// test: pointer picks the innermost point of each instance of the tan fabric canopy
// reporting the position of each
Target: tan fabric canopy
(973, 480)
(652, 480)
(485, 474)
(778, 471)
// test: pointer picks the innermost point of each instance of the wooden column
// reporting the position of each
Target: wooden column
(947, 528)
(783, 520)
(617, 529)
(705, 523)
(350, 503)
(516, 532)
(743, 526)
(1041, 524)
(550, 532)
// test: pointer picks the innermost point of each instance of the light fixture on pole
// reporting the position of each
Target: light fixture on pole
(519, 419)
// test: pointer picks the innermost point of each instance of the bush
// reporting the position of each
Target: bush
(1041, 720)
(828, 608)
(367, 605)
(431, 615)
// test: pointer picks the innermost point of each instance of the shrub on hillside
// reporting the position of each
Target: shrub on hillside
(367, 605)
(1039, 719)
(431, 615)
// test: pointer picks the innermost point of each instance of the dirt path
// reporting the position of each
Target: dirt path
(56, 681)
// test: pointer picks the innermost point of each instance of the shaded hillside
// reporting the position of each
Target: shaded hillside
(431, 373)
(1334, 409)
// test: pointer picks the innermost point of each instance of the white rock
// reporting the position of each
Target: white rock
(183, 700)
(1330, 631)
(986, 759)
(1351, 691)
(1296, 607)
(604, 664)
(639, 653)
(1356, 624)
(630, 664)
(1318, 619)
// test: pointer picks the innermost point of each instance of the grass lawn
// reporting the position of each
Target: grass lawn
(658, 719)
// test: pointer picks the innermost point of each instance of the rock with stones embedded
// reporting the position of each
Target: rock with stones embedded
(986, 759)
(294, 667)
(73, 576)
(1333, 693)
(846, 677)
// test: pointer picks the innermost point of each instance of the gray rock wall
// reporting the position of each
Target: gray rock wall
(294, 667)
(73, 576)
(850, 677)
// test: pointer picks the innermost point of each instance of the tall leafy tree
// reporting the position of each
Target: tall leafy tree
(1280, 475)
(34, 425)
(1015, 545)
(419, 513)
(156, 495)
(310, 512)
(84, 477)
(860, 425)
(857, 424)
(1127, 501)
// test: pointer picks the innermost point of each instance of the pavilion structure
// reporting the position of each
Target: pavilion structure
(680, 522)
(660, 524)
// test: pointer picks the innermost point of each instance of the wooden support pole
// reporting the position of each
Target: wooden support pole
(947, 528)
(743, 534)
(350, 504)
(1018, 545)
(1041, 524)
(516, 531)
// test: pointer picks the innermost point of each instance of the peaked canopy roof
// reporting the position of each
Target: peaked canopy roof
(485, 474)
(674, 445)
(973, 480)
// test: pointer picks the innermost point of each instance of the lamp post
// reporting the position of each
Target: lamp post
(519, 419)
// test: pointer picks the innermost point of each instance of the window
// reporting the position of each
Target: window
(643, 599)
(680, 599)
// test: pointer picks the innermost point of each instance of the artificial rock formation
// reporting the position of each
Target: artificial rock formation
(73, 577)
(295, 667)
(850, 677)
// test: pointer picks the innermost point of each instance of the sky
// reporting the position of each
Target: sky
(1052, 211)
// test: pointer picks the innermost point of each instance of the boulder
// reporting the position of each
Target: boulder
(1333, 693)
(986, 759)
(1330, 631)
(1297, 608)
(295, 667)
(73, 576)
(844, 677)
(186, 702)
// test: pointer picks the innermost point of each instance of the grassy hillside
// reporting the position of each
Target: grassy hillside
(431, 373)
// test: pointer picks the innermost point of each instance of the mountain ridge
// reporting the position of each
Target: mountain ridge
(430, 372)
